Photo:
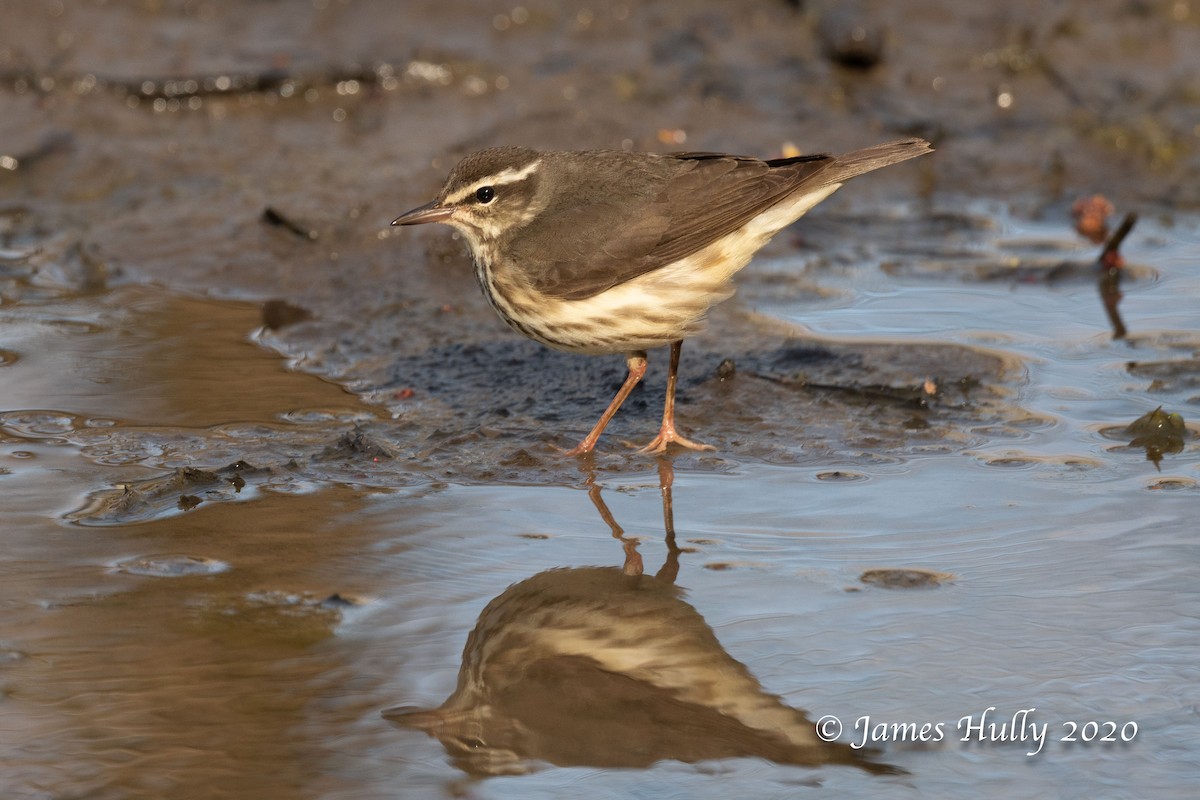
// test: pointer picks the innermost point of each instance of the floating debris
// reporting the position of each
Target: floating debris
(840, 476)
(1159, 433)
(911, 578)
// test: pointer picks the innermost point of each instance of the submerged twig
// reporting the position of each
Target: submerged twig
(1114, 242)
(273, 216)
(1111, 264)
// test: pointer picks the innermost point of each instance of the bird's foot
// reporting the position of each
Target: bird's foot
(581, 449)
(667, 436)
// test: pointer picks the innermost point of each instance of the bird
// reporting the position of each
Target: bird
(614, 251)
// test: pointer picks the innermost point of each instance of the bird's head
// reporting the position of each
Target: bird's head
(488, 195)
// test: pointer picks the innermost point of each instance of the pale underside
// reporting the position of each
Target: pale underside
(653, 309)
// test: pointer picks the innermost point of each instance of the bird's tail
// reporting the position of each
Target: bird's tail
(845, 167)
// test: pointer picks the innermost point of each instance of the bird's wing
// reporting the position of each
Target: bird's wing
(651, 211)
(622, 235)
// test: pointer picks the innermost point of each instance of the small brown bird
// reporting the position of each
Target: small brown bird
(605, 251)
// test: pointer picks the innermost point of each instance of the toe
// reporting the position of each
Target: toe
(668, 437)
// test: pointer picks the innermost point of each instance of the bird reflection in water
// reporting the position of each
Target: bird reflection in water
(610, 667)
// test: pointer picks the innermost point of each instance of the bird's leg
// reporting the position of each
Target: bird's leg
(667, 433)
(666, 478)
(633, 559)
(636, 361)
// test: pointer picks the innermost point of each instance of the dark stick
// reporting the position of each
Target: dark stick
(1114, 242)
(1110, 275)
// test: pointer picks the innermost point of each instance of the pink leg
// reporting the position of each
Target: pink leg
(636, 361)
(667, 433)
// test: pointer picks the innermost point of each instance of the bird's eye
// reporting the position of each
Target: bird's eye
(485, 194)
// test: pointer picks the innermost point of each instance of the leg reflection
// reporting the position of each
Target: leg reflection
(633, 559)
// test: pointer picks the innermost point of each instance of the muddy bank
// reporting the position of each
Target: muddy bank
(258, 153)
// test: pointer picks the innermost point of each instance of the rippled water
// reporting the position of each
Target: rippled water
(247, 644)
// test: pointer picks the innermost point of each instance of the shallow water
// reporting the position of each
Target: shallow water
(246, 641)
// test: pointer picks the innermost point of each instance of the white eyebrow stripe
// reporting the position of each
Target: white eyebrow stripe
(505, 176)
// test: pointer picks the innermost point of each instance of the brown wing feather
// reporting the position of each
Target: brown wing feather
(717, 203)
(652, 211)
